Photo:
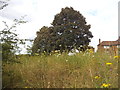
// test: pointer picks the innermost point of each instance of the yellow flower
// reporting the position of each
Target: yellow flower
(91, 51)
(27, 87)
(116, 57)
(108, 63)
(105, 85)
(97, 77)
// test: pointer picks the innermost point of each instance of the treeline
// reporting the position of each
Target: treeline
(68, 31)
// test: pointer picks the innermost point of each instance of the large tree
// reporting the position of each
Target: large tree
(69, 30)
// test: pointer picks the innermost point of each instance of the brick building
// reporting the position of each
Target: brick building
(109, 46)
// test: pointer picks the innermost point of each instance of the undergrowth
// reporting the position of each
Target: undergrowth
(82, 70)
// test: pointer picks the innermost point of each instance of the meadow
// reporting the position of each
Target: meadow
(82, 70)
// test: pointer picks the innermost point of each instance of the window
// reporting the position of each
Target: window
(106, 47)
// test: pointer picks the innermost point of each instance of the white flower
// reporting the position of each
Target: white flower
(71, 54)
(66, 60)
(58, 55)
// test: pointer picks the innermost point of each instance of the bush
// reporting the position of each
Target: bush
(10, 40)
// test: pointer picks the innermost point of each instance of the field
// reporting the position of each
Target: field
(82, 70)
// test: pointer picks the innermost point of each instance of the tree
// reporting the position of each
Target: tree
(10, 40)
(69, 30)
(40, 42)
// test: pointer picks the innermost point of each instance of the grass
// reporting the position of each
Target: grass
(83, 70)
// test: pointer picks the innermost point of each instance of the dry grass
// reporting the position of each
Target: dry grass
(62, 71)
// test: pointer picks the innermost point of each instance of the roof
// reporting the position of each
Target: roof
(118, 39)
(109, 43)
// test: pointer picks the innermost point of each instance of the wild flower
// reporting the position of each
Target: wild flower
(66, 60)
(90, 51)
(56, 51)
(44, 51)
(60, 45)
(71, 54)
(105, 85)
(108, 63)
(116, 57)
(27, 87)
(58, 55)
(96, 77)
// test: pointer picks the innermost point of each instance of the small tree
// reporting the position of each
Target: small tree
(10, 40)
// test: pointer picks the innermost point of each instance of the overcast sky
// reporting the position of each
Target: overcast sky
(101, 14)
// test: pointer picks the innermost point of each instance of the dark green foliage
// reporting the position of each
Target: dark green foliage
(6, 51)
(69, 30)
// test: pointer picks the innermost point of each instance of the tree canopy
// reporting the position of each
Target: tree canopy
(68, 30)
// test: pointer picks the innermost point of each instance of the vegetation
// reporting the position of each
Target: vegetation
(10, 41)
(59, 69)
(3, 4)
(69, 31)
(82, 70)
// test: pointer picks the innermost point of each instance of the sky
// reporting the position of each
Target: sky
(102, 15)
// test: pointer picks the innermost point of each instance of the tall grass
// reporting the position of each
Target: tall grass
(83, 70)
